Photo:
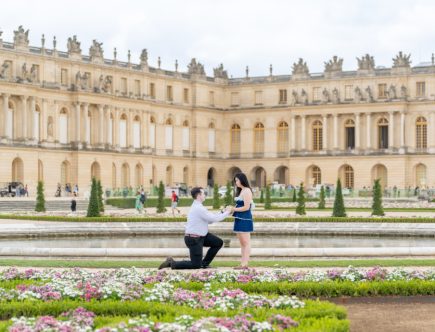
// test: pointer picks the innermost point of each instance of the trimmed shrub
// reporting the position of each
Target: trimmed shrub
(300, 209)
(93, 206)
(261, 196)
(338, 210)
(100, 196)
(377, 209)
(294, 199)
(267, 202)
(322, 198)
(160, 205)
(216, 199)
(40, 199)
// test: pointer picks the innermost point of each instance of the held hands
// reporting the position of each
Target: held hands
(229, 209)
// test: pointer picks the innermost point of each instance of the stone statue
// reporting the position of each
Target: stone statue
(294, 98)
(4, 69)
(369, 94)
(219, 72)
(50, 127)
(325, 96)
(100, 83)
(195, 68)
(144, 57)
(82, 80)
(300, 68)
(403, 92)
(335, 96)
(392, 92)
(21, 37)
(358, 95)
(33, 74)
(73, 45)
(96, 49)
(105, 84)
(335, 64)
(24, 72)
(304, 97)
(366, 62)
(402, 60)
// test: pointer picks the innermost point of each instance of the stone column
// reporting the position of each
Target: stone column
(357, 131)
(24, 117)
(32, 117)
(303, 134)
(391, 131)
(402, 129)
(293, 133)
(44, 119)
(77, 122)
(101, 125)
(116, 128)
(335, 132)
(106, 124)
(4, 129)
(56, 122)
(369, 130)
(86, 128)
(325, 133)
(130, 116)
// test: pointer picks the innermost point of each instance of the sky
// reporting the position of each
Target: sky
(237, 33)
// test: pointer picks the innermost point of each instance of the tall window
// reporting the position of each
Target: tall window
(36, 120)
(235, 99)
(211, 98)
(258, 98)
(169, 94)
(186, 95)
(137, 88)
(186, 136)
(283, 96)
(64, 76)
(152, 133)
(350, 134)
(348, 177)
(317, 135)
(421, 133)
(235, 139)
(124, 85)
(382, 90)
(168, 134)
(383, 133)
(211, 138)
(259, 138)
(152, 90)
(316, 94)
(421, 89)
(123, 131)
(63, 124)
(282, 137)
(316, 175)
(348, 92)
(136, 132)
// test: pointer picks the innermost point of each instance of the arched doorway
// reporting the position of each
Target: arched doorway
(281, 175)
(420, 176)
(95, 171)
(17, 170)
(347, 176)
(380, 172)
(169, 171)
(231, 172)
(258, 177)
(314, 176)
(138, 175)
(65, 173)
(186, 175)
(211, 174)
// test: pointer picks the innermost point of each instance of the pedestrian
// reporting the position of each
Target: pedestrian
(73, 205)
(138, 203)
(243, 223)
(197, 235)
(26, 191)
(174, 203)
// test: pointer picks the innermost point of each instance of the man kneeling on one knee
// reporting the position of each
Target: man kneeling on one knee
(197, 235)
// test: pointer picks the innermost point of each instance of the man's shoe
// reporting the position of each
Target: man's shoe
(207, 267)
(167, 263)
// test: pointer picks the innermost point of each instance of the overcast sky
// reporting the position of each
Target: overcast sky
(238, 33)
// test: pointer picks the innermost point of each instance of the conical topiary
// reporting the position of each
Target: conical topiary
(322, 198)
(267, 202)
(294, 199)
(300, 209)
(339, 210)
(40, 199)
(93, 206)
(160, 200)
(261, 196)
(216, 199)
(100, 196)
(228, 200)
(377, 209)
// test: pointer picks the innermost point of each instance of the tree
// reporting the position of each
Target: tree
(267, 203)
(294, 199)
(216, 200)
(160, 200)
(40, 199)
(94, 205)
(228, 200)
(339, 210)
(100, 196)
(261, 196)
(300, 209)
(377, 209)
(322, 198)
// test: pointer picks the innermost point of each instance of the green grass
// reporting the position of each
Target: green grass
(217, 263)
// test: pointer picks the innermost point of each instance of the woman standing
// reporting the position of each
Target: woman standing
(243, 224)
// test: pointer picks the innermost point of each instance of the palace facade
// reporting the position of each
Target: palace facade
(65, 117)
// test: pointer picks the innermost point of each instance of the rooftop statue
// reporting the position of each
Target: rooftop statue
(195, 68)
(366, 62)
(21, 37)
(325, 96)
(335, 64)
(402, 60)
(144, 57)
(300, 67)
(96, 50)
(358, 95)
(219, 72)
(4, 69)
(73, 45)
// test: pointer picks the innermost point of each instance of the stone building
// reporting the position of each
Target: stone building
(66, 116)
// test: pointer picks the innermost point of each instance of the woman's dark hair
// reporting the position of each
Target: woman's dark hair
(243, 181)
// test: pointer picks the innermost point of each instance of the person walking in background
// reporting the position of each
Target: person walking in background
(138, 203)
(26, 191)
(243, 223)
(174, 203)
(73, 205)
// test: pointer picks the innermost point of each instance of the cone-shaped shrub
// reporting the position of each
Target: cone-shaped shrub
(377, 209)
(228, 200)
(300, 209)
(40, 199)
(94, 205)
(294, 199)
(100, 196)
(216, 200)
(161, 195)
(261, 196)
(322, 198)
(267, 202)
(339, 210)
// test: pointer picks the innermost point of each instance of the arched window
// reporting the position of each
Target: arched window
(123, 131)
(420, 175)
(350, 134)
(110, 130)
(169, 175)
(348, 177)
(152, 133)
(63, 126)
(259, 138)
(186, 175)
(168, 134)
(136, 132)
(282, 137)
(139, 175)
(235, 139)
(383, 133)
(317, 135)
(65, 173)
(421, 133)
(17, 170)
(95, 171)
(316, 175)
(186, 136)
(36, 123)
(211, 138)
(113, 176)
(10, 113)
(125, 176)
